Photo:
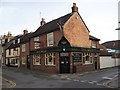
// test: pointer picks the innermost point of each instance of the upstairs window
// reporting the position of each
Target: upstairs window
(93, 44)
(19, 40)
(23, 47)
(36, 38)
(36, 42)
(13, 41)
(50, 41)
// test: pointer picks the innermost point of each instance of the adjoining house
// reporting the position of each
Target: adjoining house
(63, 45)
(110, 54)
(25, 50)
(13, 52)
(3, 40)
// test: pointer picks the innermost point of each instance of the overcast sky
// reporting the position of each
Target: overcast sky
(100, 16)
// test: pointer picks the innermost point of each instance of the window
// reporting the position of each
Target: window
(37, 45)
(36, 59)
(50, 59)
(23, 47)
(87, 58)
(93, 44)
(50, 39)
(3, 41)
(23, 60)
(9, 51)
(36, 38)
(13, 41)
(36, 42)
(18, 40)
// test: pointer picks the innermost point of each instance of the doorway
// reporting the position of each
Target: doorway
(64, 63)
(95, 62)
(28, 62)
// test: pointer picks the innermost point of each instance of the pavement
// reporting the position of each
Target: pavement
(110, 82)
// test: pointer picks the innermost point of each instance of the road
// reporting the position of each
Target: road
(29, 79)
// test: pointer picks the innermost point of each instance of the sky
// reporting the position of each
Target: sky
(100, 16)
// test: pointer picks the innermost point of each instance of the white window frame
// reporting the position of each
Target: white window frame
(36, 59)
(18, 40)
(89, 55)
(23, 47)
(23, 60)
(94, 44)
(49, 56)
(36, 38)
(36, 45)
(50, 39)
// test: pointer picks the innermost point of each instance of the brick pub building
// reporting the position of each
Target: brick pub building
(63, 45)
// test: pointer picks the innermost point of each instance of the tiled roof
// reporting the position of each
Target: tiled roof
(11, 45)
(93, 38)
(52, 25)
(112, 44)
(25, 37)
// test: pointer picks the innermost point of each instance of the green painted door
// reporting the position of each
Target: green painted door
(64, 65)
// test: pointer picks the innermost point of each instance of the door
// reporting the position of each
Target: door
(28, 62)
(95, 62)
(64, 64)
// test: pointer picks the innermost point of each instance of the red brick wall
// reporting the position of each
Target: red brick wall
(47, 68)
(24, 54)
(76, 32)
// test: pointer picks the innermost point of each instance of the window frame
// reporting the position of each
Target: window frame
(47, 59)
(87, 55)
(23, 47)
(50, 39)
(23, 59)
(36, 57)
(94, 44)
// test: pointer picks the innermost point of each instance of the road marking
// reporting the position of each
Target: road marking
(92, 82)
(107, 78)
(13, 84)
(76, 80)
(99, 84)
(84, 81)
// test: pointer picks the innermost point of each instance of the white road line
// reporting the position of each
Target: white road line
(107, 78)
(76, 80)
(99, 84)
(83, 81)
(92, 82)
(68, 78)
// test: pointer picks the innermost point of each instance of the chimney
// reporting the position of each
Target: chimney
(42, 22)
(25, 32)
(9, 34)
(74, 8)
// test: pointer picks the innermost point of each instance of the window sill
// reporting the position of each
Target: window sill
(51, 65)
(87, 63)
(36, 64)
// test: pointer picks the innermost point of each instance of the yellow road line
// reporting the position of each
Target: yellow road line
(13, 84)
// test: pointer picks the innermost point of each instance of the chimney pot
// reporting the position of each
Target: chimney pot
(74, 8)
(42, 22)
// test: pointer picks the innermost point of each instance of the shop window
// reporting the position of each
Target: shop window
(50, 39)
(87, 58)
(50, 59)
(36, 59)
(23, 60)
